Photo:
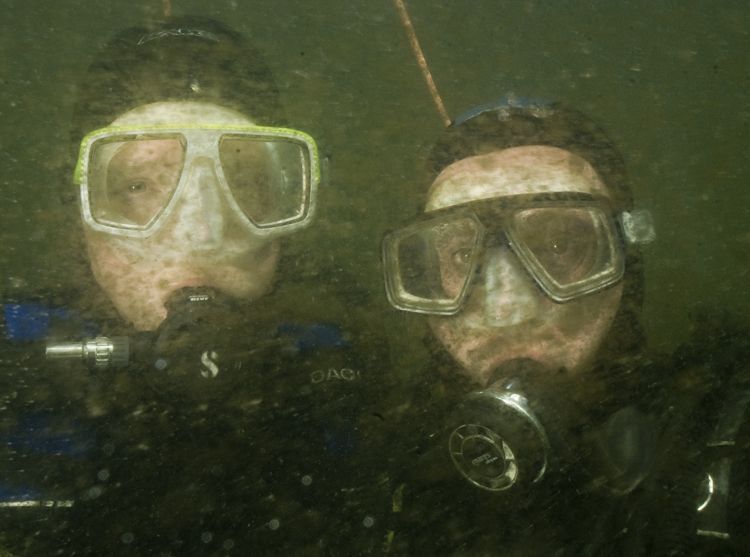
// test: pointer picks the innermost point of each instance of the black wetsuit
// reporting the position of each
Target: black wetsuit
(293, 439)
(242, 439)
(695, 405)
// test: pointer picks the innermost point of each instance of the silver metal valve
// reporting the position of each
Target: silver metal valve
(99, 352)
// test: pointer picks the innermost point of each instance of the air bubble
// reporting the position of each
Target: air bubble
(94, 492)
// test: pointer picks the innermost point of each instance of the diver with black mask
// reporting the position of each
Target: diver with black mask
(177, 409)
(541, 426)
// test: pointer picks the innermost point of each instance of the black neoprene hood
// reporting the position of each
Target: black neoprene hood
(554, 125)
(180, 59)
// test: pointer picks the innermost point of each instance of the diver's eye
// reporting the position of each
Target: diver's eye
(558, 246)
(137, 187)
(462, 256)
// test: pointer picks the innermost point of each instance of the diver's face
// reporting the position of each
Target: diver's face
(200, 245)
(506, 315)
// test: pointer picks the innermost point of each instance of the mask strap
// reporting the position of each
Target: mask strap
(637, 226)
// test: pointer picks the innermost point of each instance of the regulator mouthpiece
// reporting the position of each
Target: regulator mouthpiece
(497, 442)
(525, 427)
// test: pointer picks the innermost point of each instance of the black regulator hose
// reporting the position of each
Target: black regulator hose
(738, 507)
(678, 479)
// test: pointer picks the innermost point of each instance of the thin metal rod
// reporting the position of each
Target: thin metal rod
(419, 55)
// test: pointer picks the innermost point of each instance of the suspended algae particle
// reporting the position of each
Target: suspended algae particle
(398, 499)
(388, 541)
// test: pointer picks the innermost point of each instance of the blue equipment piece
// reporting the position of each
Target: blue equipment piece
(31, 321)
(310, 337)
(38, 433)
(506, 102)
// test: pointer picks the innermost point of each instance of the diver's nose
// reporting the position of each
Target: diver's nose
(510, 296)
(199, 220)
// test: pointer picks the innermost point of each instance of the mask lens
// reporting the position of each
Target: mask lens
(432, 263)
(268, 178)
(571, 250)
(132, 179)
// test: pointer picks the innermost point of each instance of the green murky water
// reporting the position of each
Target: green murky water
(668, 80)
